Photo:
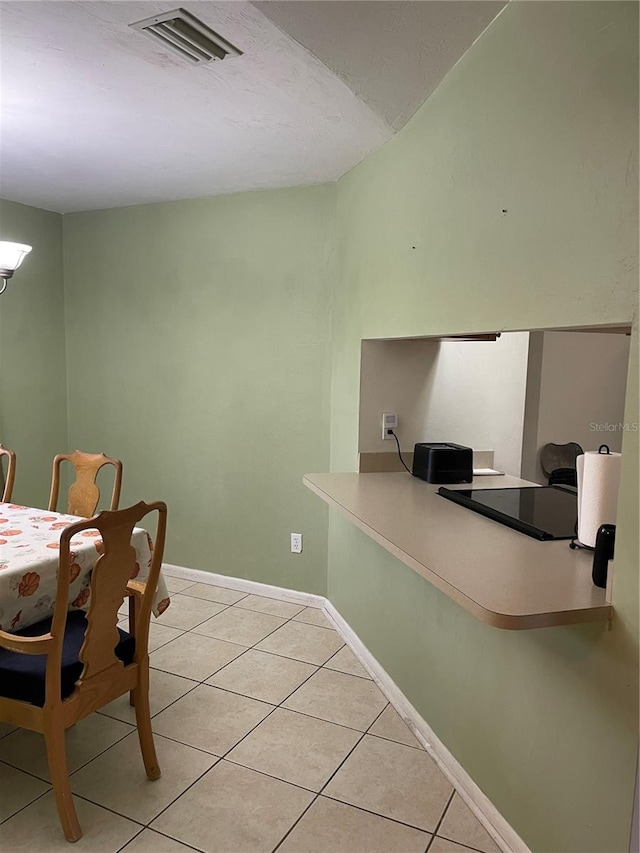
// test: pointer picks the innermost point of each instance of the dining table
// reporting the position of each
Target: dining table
(29, 544)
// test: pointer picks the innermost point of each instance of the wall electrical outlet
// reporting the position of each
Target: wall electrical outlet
(389, 422)
(296, 543)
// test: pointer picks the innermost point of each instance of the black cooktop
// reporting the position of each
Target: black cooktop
(543, 512)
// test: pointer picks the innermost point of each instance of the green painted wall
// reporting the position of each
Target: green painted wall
(508, 202)
(33, 405)
(198, 340)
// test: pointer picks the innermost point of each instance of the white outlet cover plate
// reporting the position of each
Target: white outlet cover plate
(389, 421)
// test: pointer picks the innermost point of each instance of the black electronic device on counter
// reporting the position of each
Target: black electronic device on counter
(603, 552)
(443, 462)
(543, 512)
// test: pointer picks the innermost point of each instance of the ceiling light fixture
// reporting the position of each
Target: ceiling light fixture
(11, 256)
(183, 34)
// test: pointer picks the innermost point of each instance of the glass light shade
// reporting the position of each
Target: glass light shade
(12, 255)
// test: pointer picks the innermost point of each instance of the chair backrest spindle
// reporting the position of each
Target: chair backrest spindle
(84, 493)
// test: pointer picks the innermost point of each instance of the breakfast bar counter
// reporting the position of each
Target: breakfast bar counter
(502, 576)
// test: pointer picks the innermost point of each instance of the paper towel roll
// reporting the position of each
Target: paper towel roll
(598, 481)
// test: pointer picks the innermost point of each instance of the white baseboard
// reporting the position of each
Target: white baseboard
(497, 827)
(241, 585)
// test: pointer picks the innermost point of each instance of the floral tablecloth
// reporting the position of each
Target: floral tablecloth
(29, 544)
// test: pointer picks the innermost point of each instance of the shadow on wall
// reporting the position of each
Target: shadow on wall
(576, 389)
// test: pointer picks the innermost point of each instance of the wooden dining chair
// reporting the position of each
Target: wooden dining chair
(84, 494)
(56, 672)
(11, 472)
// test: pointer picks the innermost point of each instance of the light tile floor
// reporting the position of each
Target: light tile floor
(271, 736)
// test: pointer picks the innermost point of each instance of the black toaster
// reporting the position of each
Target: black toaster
(443, 462)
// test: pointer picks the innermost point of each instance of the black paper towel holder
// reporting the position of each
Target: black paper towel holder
(602, 553)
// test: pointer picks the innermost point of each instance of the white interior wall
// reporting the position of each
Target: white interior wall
(392, 377)
(476, 394)
(468, 392)
(575, 393)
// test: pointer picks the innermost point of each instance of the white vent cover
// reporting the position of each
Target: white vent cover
(185, 35)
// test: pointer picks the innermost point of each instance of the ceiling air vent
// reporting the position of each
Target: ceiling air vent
(185, 35)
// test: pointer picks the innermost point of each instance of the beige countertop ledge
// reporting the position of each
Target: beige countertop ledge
(503, 577)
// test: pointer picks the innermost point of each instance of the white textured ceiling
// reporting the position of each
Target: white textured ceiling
(391, 54)
(95, 115)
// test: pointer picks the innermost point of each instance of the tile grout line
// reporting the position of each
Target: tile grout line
(212, 600)
(266, 636)
(217, 758)
(222, 757)
(225, 757)
(280, 655)
(239, 603)
(87, 800)
(26, 772)
(253, 698)
(266, 612)
(225, 607)
(190, 630)
(148, 824)
(295, 823)
(321, 793)
(318, 794)
(254, 647)
(377, 814)
(245, 649)
(279, 704)
(275, 707)
(277, 628)
(168, 837)
(26, 806)
(106, 749)
(204, 683)
(137, 835)
(344, 672)
(173, 702)
(442, 816)
(459, 843)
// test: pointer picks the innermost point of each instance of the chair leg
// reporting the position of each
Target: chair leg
(132, 630)
(143, 722)
(56, 753)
